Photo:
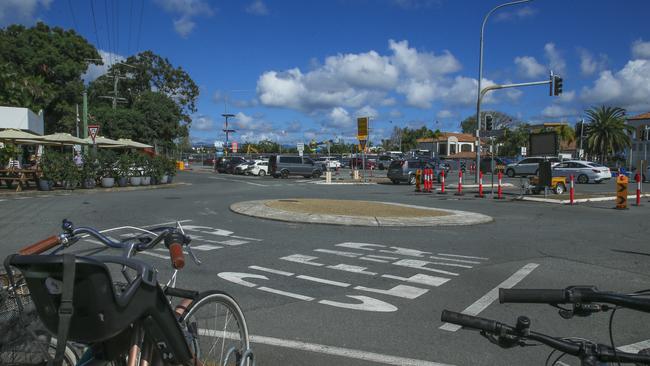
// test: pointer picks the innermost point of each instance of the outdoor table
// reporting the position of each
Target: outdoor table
(22, 176)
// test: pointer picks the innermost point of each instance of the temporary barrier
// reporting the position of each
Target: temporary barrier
(460, 184)
(480, 185)
(499, 189)
(425, 174)
(442, 183)
(621, 192)
(430, 180)
(637, 178)
(418, 180)
(328, 177)
(571, 189)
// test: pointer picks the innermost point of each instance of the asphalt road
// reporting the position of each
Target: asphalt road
(321, 295)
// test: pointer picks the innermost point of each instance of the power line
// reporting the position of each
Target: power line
(140, 27)
(108, 31)
(128, 48)
(92, 9)
(116, 11)
(74, 20)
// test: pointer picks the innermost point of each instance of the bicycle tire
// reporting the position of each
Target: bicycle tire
(202, 321)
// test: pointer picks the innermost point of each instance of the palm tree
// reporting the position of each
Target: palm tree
(565, 133)
(608, 133)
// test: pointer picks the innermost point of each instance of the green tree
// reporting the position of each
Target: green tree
(513, 139)
(608, 134)
(161, 118)
(500, 120)
(41, 68)
(147, 72)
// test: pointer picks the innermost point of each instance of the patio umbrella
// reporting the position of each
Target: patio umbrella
(63, 139)
(19, 136)
(134, 144)
(104, 142)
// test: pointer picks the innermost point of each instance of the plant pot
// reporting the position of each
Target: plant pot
(88, 184)
(154, 181)
(146, 181)
(108, 182)
(44, 185)
(136, 181)
(69, 184)
(122, 181)
(170, 178)
(164, 179)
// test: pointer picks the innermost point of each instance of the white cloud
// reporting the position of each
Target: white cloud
(95, 71)
(628, 87)
(514, 94)
(339, 117)
(395, 113)
(640, 49)
(520, 13)
(245, 122)
(367, 111)
(422, 65)
(186, 10)
(557, 111)
(416, 4)
(257, 7)
(567, 96)
(202, 123)
(444, 114)
(529, 67)
(589, 64)
(20, 11)
(555, 60)
(388, 102)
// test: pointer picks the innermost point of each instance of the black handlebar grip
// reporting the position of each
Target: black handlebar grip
(533, 296)
(469, 321)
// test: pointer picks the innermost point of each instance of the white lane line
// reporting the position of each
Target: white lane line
(382, 257)
(454, 260)
(406, 252)
(2, 200)
(255, 184)
(350, 268)
(414, 263)
(362, 246)
(167, 223)
(463, 256)
(491, 296)
(366, 304)
(22, 198)
(245, 238)
(373, 260)
(635, 347)
(285, 293)
(421, 279)
(304, 259)
(232, 242)
(271, 270)
(403, 291)
(322, 280)
(339, 252)
(325, 349)
(451, 264)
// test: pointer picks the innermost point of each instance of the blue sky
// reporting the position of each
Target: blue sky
(302, 69)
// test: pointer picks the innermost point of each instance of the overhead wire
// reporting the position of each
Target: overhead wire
(128, 48)
(116, 22)
(92, 10)
(74, 19)
(140, 26)
(108, 32)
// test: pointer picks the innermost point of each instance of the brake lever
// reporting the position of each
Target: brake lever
(192, 255)
(504, 341)
(583, 310)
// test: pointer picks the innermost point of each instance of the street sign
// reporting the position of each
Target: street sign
(493, 133)
(362, 128)
(234, 147)
(362, 144)
(93, 130)
(218, 144)
(523, 151)
(301, 147)
(581, 153)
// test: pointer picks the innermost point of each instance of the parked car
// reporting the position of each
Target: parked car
(284, 166)
(383, 162)
(227, 164)
(528, 166)
(241, 168)
(328, 162)
(259, 168)
(357, 163)
(404, 170)
(583, 171)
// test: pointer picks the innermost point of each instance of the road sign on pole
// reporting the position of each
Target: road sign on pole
(93, 130)
(523, 151)
(301, 147)
(234, 147)
(362, 128)
(493, 133)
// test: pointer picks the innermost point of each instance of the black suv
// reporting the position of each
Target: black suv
(227, 164)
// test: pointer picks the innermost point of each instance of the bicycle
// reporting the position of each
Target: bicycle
(583, 301)
(127, 323)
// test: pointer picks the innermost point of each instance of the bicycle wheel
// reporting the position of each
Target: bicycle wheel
(216, 324)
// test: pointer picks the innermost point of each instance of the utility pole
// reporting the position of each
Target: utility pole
(77, 120)
(85, 114)
(114, 97)
(226, 129)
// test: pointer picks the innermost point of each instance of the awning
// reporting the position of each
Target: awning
(134, 144)
(104, 142)
(63, 139)
(17, 135)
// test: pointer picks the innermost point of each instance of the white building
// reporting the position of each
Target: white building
(21, 119)
(640, 148)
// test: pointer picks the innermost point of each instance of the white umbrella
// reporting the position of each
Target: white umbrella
(134, 144)
(17, 135)
(101, 141)
(64, 139)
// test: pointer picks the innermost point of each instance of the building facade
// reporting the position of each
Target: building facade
(449, 145)
(640, 146)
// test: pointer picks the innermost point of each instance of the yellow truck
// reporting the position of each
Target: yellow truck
(558, 185)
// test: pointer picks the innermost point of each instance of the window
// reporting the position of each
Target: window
(562, 166)
(307, 161)
(290, 160)
(527, 161)
(466, 147)
(396, 164)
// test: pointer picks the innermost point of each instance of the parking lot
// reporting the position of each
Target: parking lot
(323, 294)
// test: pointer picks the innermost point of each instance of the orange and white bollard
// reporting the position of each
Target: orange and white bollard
(571, 190)
(480, 185)
(637, 178)
(460, 184)
(429, 177)
(499, 189)
(442, 183)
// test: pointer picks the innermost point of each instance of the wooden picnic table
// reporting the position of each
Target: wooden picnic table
(22, 176)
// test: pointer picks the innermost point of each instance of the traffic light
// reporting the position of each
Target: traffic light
(557, 85)
(488, 122)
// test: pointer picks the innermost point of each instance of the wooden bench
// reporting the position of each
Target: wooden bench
(22, 176)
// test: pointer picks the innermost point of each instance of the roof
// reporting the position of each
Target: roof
(464, 155)
(462, 137)
(641, 116)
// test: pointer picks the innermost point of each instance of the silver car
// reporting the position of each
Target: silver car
(583, 171)
(528, 166)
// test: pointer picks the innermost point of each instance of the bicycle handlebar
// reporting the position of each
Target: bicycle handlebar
(583, 350)
(573, 295)
(173, 242)
(41, 246)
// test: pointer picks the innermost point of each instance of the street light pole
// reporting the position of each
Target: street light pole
(480, 77)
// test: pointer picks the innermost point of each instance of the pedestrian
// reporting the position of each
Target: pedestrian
(78, 160)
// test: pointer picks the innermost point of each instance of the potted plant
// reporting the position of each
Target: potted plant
(170, 169)
(89, 169)
(123, 169)
(146, 170)
(135, 170)
(158, 170)
(107, 160)
(50, 171)
(70, 174)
